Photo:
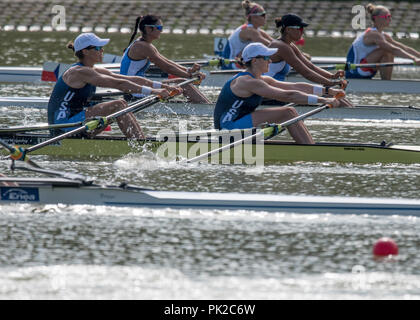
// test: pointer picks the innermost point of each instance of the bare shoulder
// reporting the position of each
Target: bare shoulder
(141, 50)
(374, 34)
(75, 71)
(249, 82)
(143, 46)
(388, 37)
(276, 43)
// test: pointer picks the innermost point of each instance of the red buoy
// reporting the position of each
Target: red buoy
(385, 247)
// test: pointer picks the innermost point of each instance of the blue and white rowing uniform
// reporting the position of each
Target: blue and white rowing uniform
(235, 46)
(67, 104)
(131, 67)
(278, 70)
(233, 112)
(357, 54)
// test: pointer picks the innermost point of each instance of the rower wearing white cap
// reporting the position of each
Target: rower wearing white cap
(240, 96)
(69, 101)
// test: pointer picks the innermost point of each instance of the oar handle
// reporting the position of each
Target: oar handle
(339, 95)
(176, 92)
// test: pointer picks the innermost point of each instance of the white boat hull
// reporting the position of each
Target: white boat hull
(361, 112)
(217, 79)
(53, 191)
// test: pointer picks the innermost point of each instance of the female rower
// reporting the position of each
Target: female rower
(69, 101)
(375, 46)
(249, 32)
(240, 96)
(141, 52)
(288, 54)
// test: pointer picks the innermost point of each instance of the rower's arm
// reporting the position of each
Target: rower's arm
(385, 45)
(254, 35)
(136, 79)
(309, 64)
(301, 68)
(308, 88)
(263, 89)
(89, 75)
(168, 66)
(402, 46)
(266, 35)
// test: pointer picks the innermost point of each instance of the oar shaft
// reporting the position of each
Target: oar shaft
(226, 147)
(352, 66)
(40, 127)
(7, 146)
(303, 116)
(264, 132)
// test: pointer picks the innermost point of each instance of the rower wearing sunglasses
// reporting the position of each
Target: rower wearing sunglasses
(141, 52)
(69, 101)
(249, 32)
(376, 46)
(240, 97)
(288, 54)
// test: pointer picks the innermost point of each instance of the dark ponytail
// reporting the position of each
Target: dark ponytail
(279, 24)
(78, 54)
(133, 35)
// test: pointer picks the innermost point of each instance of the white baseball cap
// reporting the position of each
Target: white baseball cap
(85, 40)
(255, 49)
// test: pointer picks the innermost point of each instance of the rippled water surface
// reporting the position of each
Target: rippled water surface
(95, 252)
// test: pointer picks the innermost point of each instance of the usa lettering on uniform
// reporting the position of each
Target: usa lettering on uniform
(62, 114)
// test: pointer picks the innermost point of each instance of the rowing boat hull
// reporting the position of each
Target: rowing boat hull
(271, 151)
(361, 112)
(218, 79)
(53, 191)
(408, 86)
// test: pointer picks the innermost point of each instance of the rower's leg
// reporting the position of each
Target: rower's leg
(298, 131)
(386, 72)
(127, 123)
(381, 56)
(194, 95)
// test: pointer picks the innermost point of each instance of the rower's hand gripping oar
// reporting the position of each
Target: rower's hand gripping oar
(19, 153)
(267, 132)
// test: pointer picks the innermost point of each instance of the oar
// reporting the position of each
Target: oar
(100, 122)
(265, 133)
(17, 153)
(100, 95)
(352, 66)
(40, 127)
(38, 169)
(51, 71)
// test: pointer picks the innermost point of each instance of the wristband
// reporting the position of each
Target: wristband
(312, 99)
(157, 84)
(318, 90)
(146, 90)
